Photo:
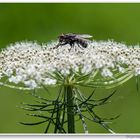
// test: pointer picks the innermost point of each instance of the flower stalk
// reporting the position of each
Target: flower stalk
(70, 109)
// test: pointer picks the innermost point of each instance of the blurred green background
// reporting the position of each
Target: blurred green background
(43, 23)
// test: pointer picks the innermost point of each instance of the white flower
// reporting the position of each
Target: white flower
(8, 72)
(65, 72)
(15, 79)
(30, 69)
(121, 59)
(137, 71)
(106, 73)
(98, 65)
(86, 69)
(33, 64)
(121, 69)
(49, 81)
(31, 84)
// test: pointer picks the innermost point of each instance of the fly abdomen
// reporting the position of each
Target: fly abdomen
(83, 43)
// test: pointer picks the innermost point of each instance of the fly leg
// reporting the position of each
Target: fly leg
(72, 45)
(60, 44)
(80, 46)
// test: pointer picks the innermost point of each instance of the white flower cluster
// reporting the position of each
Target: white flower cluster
(34, 65)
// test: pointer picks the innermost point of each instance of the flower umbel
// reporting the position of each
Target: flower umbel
(35, 65)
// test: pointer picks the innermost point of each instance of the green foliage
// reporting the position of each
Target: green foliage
(62, 111)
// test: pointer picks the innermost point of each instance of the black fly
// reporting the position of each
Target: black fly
(72, 39)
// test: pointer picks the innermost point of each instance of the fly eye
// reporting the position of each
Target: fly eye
(61, 39)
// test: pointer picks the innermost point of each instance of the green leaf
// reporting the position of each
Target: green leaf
(36, 123)
(39, 116)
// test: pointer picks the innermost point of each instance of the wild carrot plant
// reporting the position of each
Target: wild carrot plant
(103, 64)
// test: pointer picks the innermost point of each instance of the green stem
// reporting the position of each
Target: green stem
(70, 109)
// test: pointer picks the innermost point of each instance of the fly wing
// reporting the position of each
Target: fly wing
(71, 35)
(83, 39)
(84, 36)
